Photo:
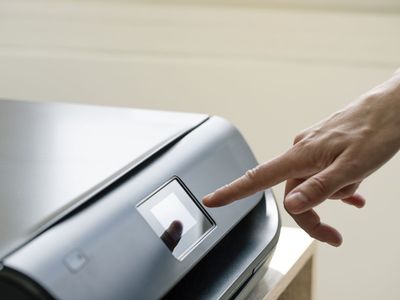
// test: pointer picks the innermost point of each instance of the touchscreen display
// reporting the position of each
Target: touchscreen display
(176, 217)
(171, 209)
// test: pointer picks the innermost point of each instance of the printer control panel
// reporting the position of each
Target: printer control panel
(176, 217)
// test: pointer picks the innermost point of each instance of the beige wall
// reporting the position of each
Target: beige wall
(386, 6)
(270, 71)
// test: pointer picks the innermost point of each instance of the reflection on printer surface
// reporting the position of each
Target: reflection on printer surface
(171, 209)
(176, 218)
(172, 235)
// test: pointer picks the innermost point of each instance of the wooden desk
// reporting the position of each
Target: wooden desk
(289, 275)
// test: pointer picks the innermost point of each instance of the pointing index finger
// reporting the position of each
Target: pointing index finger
(261, 177)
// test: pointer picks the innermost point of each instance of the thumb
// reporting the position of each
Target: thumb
(315, 190)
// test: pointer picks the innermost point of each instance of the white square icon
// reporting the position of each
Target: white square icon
(171, 209)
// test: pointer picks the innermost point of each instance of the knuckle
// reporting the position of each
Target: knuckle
(303, 135)
(304, 146)
(251, 174)
(318, 185)
(223, 190)
(298, 138)
(300, 142)
(313, 230)
(298, 149)
(226, 186)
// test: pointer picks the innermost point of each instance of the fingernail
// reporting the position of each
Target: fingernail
(296, 202)
(207, 198)
(335, 242)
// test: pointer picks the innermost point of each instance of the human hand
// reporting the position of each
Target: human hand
(328, 160)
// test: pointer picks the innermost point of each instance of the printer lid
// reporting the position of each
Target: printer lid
(55, 156)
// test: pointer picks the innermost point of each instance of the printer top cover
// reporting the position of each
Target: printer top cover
(54, 156)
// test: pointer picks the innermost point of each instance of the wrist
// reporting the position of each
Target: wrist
(381, 107)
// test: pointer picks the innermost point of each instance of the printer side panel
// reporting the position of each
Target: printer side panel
(108, 250)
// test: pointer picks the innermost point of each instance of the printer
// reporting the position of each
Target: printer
(105, 203)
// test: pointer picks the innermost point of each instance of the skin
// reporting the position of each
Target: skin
(328, 160)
